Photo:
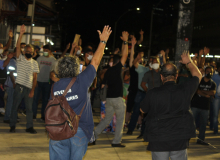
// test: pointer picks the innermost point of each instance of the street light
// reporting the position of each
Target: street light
(151, 26)
(113, 47)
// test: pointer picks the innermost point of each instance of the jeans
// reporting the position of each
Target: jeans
(136, 110)
(117, 106)
(2, 102)
(214, 110)
(19, 93)
(203, 118)
(10, 92)
(43, 87)
(73, 148)
(173, 155)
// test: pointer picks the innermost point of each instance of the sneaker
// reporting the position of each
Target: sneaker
(34, 118)
(129, 132)
(2, 110)
(42, 119)
(140, 136)
(12, 129)
(139, 127)
(24, 112)
(18, 119)
(118, 145)
(6, 121)
(31, 130)
(202, 142)
(125, 125)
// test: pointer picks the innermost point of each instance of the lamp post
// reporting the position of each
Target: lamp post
(32, 20)
(113, 47)
(151, 27)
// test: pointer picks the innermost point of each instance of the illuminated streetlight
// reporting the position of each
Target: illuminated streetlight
(137, 9)
(140, 45)
(106, 48)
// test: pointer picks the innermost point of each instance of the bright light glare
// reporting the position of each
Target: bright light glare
(137, 9)
(48, 40)
(106, 48)
(33, 24)
(140, 45)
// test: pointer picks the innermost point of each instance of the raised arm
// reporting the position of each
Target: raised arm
(100, 50)
(141, 37)
(18, 46)
(73, 48)
(9, 41)
(9, 56)
(164, 56)
(192, 67)
(133, 42)
(124, 49)
(64, 52)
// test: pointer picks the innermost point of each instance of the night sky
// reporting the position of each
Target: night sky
(85, 17)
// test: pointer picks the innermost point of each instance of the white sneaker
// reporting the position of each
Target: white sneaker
(2, 110)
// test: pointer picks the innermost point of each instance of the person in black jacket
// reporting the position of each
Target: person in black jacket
(169, 120)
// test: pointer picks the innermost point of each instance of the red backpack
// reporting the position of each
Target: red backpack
(60, 120)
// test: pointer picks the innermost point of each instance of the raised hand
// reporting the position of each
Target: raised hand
(116, 51)
(162, 52)
(201, 52)
(206, 50)
(141, 32)
(10, 55)
(124, 36)
(10, 33)
(74, 44)
(185, 57)
(133, 41)
(105, 33)
(68, 46)
(22, 29)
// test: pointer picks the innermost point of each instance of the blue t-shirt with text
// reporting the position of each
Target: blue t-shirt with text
(78, 95)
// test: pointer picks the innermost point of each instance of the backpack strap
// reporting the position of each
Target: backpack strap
(82, 110)
(69, 86)
(52, 95)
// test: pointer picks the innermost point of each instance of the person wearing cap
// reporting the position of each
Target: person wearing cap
(46, 63)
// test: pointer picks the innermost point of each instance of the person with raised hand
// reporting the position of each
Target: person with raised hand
(114, 100)
(26, 81)
(169, 121)
(77, 96)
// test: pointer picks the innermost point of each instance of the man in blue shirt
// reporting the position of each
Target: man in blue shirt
(3, 76)
(10, 85)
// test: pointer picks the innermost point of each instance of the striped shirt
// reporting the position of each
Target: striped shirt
(25, 70)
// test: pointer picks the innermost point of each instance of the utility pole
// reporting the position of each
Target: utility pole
(32, 21)
(151, 28)
(184, 28)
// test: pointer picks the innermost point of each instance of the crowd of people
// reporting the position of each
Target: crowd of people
(162, 101)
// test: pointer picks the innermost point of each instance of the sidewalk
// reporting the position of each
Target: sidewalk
(25, 146)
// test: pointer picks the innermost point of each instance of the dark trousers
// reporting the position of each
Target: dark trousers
(2, 102)
(136, 110)
(130, 102)
(203, 118)
(214, 110)
(43, 87)
(21, 92)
